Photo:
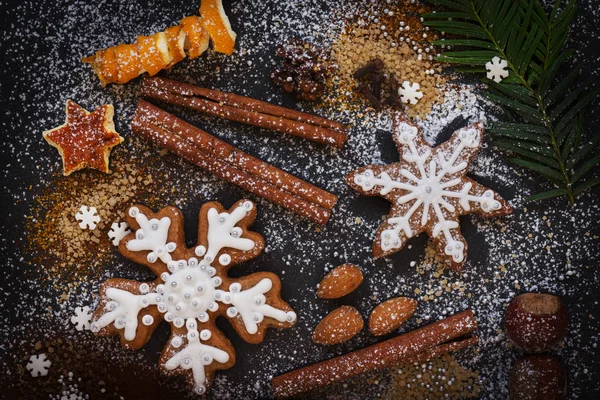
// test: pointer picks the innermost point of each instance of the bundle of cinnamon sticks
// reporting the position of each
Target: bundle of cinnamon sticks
(245, 110)
(232, 164)
(419, 345)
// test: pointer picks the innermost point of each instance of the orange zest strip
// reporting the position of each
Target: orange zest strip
(149, 55)
(175, 39)
(124, 62)
(217, 25)
(128, 60)
(196, 41)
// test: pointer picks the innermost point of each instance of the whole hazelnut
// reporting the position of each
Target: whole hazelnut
(537, 377)
(535, 322)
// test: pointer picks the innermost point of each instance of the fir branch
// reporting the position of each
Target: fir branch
(544, 114)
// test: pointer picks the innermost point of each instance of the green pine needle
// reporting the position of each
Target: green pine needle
(544, 116)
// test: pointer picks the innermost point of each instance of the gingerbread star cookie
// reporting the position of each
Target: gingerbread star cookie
(429, 191)
(85, 139)
(192, 289)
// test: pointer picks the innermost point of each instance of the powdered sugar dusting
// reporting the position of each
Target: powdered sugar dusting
(548, 247)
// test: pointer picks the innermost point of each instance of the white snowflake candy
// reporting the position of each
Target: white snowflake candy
(496, 69)
(410, 92)
(87, 217)
(82, 318)
(38, 365)
(191, 293)
(429, 191)
(118, 230)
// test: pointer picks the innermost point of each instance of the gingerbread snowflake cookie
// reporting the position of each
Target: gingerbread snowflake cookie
(429, 191)
(192, 289)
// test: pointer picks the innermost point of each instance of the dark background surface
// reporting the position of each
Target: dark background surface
(40, 47)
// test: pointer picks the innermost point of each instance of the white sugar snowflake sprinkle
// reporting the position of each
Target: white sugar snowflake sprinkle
(118, 230)
(496, 69)
(410, 92)
(38, 365)
(87, 217)
(82, 318)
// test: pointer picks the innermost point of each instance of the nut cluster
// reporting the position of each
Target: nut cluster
(345, 322)
(535, 322)
(304, 69)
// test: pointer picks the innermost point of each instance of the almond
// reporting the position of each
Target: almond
(389, 315)
(338, 326)
(340, 281)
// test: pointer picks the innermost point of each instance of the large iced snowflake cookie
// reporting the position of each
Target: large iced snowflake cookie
(429, 191)
(192, 289)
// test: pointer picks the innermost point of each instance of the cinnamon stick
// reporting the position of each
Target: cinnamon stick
(149, 126)
(237, 158)
(426, 341)
(442, 349)
(245, 110)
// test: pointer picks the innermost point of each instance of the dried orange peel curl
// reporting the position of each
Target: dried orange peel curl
(151, 54)
(217, 25)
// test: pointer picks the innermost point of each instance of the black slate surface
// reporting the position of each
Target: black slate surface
(41, 45)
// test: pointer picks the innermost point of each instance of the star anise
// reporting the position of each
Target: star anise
(304, 69)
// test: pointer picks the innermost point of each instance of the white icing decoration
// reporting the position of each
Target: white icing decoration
(38, 365)
(496, 69)
(224, 259)
(152, 236)
(196, 356)
(87, 217)
(410, 93)
(176, 342)
(82, 318)
(125, 314)
(118, 230)
(251, 311)
(436, 183)
(220, 226)
(188, 292)
(200, 250)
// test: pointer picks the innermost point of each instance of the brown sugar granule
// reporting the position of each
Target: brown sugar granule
(440, 378)
(397, 37)
(68, 255)
(55, 239)
(438, 285)
(56, 244)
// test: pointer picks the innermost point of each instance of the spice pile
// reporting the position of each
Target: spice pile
(304, 68)
(397, 37)
(441, 377)
(55, 239)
